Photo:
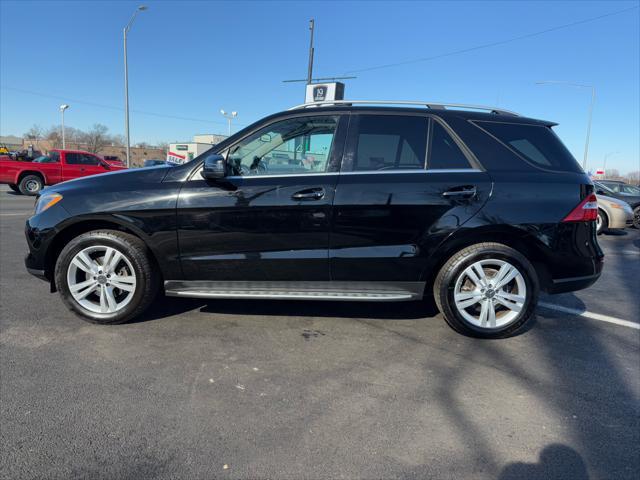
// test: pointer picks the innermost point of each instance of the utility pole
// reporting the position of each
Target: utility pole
(312, 24)
(309, 80)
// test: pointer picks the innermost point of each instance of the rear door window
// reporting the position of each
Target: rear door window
(444, 152)
(536, 144)
(389, 142)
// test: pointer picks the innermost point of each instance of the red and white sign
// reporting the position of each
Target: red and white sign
(176, 158)
(600, 171)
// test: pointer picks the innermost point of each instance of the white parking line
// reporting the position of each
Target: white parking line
(591, 315)
(14, 214)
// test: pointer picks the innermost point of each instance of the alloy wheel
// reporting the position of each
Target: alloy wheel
(490, 294)
(101, 279)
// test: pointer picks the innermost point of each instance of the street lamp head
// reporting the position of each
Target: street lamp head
(63, 107)
(142, 8)
(234, 114)
(223, 112)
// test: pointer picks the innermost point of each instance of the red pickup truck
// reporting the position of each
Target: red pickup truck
(29, 178)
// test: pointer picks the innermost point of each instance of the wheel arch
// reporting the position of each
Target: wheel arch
(72, 230)
(24, 173)
(517, 238)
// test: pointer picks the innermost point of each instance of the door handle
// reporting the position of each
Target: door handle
(465, 191)
(309, 194)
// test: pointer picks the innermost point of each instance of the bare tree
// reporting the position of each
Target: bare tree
(612, 173)
(97, 138)
(633, 177)
(34, 134)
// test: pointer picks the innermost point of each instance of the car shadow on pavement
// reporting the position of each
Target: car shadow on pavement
(557, 461)
(168, 306)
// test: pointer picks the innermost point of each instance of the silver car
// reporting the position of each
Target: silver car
(613, 214)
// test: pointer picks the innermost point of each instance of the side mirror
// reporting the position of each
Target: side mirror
(213, 167)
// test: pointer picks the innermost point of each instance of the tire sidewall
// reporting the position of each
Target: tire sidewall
(518, 261)
(126, 249)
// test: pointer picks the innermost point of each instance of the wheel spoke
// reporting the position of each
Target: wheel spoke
(84, 262)
(504, 271)
(466, 299)
(511, 301)
(111, 300)
(81, 290)
(491, 314)
(484, 311)
(126, 283)
(513, 273)
(103, 300)
(113, 262)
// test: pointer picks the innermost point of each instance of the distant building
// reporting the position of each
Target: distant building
(182, 152)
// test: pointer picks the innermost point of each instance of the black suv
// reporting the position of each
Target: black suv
(334, 201)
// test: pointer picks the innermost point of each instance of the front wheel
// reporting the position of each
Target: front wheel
(636, 217)
(487, 290)
(106, 276)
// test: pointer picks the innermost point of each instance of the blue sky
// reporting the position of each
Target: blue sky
(189, 59)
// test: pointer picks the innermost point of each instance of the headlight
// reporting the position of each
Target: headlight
(46, 201)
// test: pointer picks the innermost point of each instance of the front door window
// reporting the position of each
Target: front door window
(294, 146)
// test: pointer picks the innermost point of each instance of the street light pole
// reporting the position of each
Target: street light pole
(62, 109)
(229, 117)
(593, 101)
(126, 82)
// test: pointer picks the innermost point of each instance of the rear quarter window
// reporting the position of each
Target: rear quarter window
(538, 145)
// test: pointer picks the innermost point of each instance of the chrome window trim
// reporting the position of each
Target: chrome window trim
(417, 170)
(362, 172)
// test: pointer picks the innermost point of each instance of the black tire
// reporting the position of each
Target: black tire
(14, 187)
(602, 224)
(135, 251)
(445, 283)
(31, 185)
(636, 217)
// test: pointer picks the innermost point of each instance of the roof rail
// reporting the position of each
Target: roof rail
(431, 105)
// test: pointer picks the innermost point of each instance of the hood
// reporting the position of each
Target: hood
(124, 179)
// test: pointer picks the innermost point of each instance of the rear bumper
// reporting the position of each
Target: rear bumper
(563, 285)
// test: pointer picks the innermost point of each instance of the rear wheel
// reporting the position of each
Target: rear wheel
(487, 290)
(602, 222)
(636, 217)
(106, 276)
(31, 185)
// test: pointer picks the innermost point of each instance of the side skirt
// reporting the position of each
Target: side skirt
(336, 291)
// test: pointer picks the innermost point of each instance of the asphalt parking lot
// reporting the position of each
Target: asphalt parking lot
(263, 389)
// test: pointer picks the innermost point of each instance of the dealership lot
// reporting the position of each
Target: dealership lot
(256, 389)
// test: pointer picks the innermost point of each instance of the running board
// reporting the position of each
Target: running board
(333, 291)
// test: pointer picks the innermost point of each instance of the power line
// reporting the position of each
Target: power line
(112, 107)
(492, 44)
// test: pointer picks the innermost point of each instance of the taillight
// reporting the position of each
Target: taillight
(586, 211)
